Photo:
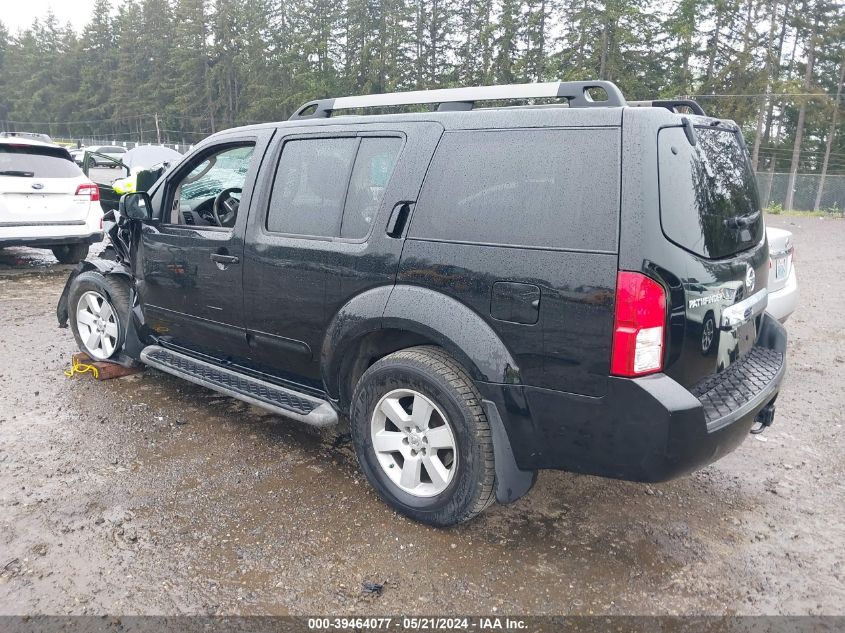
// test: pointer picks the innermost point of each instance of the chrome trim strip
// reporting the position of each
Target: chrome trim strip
(745, 310)
(5, 225)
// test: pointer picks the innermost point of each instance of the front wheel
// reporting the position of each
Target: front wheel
(422, 438)
(99, 313)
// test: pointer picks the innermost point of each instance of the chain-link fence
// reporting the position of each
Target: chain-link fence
(773, 188)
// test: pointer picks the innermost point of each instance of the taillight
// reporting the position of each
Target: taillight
(639, 325)
(88, 191)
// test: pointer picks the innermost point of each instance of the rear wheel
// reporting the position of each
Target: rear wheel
(99, 312)
(422, 438)
(70, 253)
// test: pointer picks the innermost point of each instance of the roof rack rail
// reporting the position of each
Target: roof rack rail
(577, 93)
(670, 104)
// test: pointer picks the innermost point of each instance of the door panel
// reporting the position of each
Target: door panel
(190, 276)
(294, 285)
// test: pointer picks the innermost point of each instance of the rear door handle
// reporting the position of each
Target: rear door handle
(398, 219)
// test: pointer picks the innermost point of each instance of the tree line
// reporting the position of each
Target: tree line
(178, 70)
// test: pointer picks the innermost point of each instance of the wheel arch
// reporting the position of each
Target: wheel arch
(103, 266)
(384, 320)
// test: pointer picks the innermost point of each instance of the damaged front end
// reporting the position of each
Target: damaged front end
(114, 260)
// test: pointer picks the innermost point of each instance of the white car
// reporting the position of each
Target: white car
(783, 284)
(46, 201)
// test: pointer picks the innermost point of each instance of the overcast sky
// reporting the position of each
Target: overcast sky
(17, 14)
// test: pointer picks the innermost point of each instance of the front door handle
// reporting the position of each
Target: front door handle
(223, 261)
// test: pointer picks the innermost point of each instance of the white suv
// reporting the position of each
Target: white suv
(46, 201)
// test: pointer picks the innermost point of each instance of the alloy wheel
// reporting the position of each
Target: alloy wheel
(414, 443)
(98, 325)
(707, 335)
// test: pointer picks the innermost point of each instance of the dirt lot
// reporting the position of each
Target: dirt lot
(150, 495)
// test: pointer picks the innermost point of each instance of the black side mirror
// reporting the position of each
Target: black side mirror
(136, 206)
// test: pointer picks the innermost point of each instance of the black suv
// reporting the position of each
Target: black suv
(482, 291)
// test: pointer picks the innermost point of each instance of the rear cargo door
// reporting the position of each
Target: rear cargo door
(710, 213)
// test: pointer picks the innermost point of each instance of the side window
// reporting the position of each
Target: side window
(370, 176)
(310, 186)
(331, 187)
(210, 193)
(556, 188)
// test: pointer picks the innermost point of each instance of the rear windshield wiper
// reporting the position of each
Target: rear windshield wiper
(13, 172)
(741, 221)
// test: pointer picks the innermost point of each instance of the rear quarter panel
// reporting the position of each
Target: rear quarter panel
(571, 182)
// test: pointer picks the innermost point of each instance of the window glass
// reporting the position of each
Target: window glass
(310, 186)
(373, 168)
(555, 188)
(708, 195)
(36, 162)
(197, 200)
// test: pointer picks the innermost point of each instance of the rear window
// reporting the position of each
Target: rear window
(544, 188)
(708, 195)
(36, 162)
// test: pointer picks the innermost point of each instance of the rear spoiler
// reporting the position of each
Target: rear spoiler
(672, 105)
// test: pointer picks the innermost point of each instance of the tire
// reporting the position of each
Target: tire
(70, 253)
(91, 289)
(465, 485)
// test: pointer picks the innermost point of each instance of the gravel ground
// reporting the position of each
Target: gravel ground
(148, 495)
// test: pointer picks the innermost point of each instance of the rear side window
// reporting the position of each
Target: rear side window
(549, 188)
(36, 162)
(708, 195)
(373, 168)
(310, 186)
(331, 187)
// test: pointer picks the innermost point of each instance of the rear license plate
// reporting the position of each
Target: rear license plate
(780, 268)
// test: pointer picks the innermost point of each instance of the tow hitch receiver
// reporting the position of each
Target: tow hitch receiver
(764, 419)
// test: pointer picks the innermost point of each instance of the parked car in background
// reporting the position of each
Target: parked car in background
(783, 282)
(98, 154)
(35, 136)
(145, 156)
(46, 201)
(141, 167)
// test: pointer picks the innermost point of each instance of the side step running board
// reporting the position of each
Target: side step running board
(287, 402)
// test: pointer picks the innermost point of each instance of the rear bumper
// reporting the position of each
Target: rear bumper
(643, 429)
(46, 241)
(783, 302)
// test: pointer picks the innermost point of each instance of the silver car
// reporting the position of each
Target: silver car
(783, 283)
